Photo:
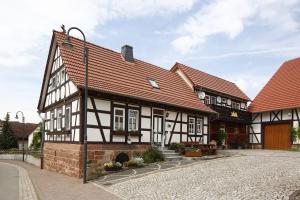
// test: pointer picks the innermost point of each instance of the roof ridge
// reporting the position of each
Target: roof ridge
(206, 73)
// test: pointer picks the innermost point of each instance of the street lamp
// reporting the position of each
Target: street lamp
(68, 44)
(23, 121)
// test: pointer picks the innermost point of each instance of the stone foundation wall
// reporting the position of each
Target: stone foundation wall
(68, 158)
(63, 158)
(255, 146)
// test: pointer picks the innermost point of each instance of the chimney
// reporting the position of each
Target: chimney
(127, 53)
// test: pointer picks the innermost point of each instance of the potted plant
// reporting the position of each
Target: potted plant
(192, 152)
(120, 132)
(135, 162)
(110, 166)
(220, 137)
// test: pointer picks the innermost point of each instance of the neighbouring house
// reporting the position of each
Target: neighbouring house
(132, 104)
(277, 108)
(23, 133)
(224, 97)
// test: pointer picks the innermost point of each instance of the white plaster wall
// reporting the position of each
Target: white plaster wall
(102, 104)
(146, 111)
(104, 119)
(146, 136)
(172, 115)
(94, 135)
(91, 118)
(146, 123)
(265, 116)
(184, 117)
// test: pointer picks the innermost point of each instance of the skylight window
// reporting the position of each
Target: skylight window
(153, 83)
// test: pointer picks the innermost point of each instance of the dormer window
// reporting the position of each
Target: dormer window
(153, 83)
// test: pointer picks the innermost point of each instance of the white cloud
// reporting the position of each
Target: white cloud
(26, 23)
(230, 17)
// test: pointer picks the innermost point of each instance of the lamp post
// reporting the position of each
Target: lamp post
(23, 121)
(67, 43)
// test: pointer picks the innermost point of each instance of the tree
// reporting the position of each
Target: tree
(36, 140)
(7, 139)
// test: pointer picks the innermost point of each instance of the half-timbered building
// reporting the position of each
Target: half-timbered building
(131, 105)
(224, 97)
(277, 108)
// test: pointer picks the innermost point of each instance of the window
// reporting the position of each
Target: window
(234, 105)
(153, 83)
(133, 116)
(63, 75)
(53, 82)
(158, 112)
(236, 130)
(224, 101)
(207, 99)
(68, 118)
(192, 126)
(213, 100)
(199, 126)
(119, 118)
(59, 118)
(51, 121)
(238, 106)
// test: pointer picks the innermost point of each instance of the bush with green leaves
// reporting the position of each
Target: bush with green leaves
(36, 141)
(177, 147)
(135, 162)
(294, 134)
(153, 155)
(220, 137)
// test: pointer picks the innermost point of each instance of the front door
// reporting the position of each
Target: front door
(157, 129)
(276, 136)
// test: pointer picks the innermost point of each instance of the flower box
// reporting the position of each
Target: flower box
(193, 153)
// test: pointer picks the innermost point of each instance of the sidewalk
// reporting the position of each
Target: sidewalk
(50, 185)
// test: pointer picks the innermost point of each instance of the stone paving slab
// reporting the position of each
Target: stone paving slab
(248, 174)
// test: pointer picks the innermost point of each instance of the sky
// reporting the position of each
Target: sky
(243, 41)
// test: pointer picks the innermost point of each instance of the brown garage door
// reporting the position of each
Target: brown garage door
(277, 136)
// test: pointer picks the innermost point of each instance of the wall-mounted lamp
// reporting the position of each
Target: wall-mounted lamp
(167, 114)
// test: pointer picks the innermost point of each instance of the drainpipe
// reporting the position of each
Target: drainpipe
(43, 139)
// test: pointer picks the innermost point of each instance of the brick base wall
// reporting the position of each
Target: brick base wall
(67, 158)
(255, 146)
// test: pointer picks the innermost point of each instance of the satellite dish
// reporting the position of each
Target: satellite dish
(228, 101)
(201, 95)
(219, 99)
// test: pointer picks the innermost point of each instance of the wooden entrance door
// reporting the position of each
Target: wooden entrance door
(276, 136)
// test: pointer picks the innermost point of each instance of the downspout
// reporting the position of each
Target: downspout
(43, 139)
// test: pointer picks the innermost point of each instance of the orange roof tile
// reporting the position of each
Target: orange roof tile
(109, 72)
(282, 91)
(202, 79)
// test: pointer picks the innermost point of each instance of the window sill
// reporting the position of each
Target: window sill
(59, 133)
(123, 133)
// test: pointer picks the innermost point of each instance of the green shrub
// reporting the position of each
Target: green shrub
(153, 155)
(135, 162)
(220, 137)
(177, 147)
(192, 148)
(293, 134)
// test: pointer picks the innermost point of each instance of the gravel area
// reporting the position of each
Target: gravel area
(248, 174)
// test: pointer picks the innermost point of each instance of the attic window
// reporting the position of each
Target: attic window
(153, 83)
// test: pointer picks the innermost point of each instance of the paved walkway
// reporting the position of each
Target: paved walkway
(9, 182)
(16, 183)
(248, 174)
(53, 186)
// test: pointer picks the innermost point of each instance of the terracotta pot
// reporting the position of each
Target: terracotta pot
(193, 153)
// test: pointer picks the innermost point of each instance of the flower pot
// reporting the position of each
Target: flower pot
(193, 153)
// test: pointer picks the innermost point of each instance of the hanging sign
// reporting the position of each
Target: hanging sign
(234, 114)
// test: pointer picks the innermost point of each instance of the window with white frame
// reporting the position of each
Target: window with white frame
(68, 118)
(238, 106)
(213, 100)
(119, 119)
(207, 99)
(52, 121)
(192, 126)
(59, 119)
(153, 83)
(234, 105)
(224, 101)
(133, 116)
(199, 126)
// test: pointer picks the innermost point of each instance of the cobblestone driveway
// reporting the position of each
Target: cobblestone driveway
(249, 174)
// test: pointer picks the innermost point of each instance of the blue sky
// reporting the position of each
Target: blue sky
(243, 41)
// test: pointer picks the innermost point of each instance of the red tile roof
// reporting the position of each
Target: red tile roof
(202, 79)
(282, 91)
(20, 131)
(108, 72)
